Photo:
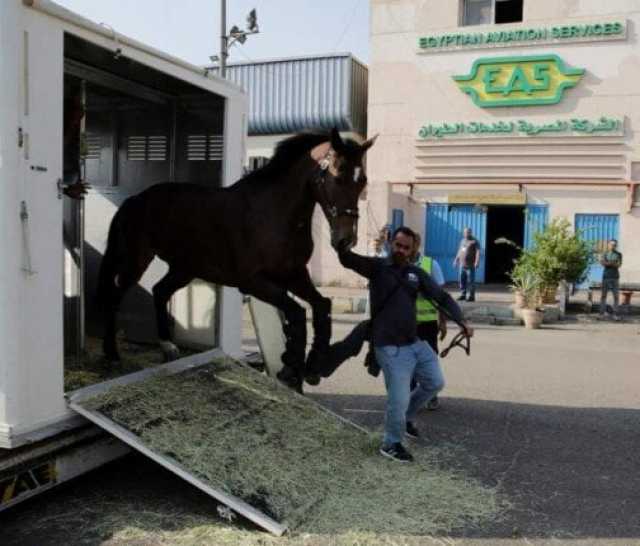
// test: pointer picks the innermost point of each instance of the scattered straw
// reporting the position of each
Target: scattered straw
(92, 367)
(248, 436)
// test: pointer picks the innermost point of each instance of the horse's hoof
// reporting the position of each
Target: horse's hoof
(170, 351)
(287, 374)
(290, 378)
(312, 379)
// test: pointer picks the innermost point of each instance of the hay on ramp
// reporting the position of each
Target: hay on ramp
(248, 436)
(92, 367)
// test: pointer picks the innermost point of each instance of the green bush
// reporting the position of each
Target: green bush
(558, 254)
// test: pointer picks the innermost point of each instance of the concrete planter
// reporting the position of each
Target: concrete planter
(532, 318)
(519, 299)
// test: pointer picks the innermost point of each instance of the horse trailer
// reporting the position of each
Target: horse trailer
(134, 117)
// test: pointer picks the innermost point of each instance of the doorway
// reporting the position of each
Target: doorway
(503, 222)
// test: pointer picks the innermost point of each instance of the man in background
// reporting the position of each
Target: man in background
(468, 258)
(611, 260)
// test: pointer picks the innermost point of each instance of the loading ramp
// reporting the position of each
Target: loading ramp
(235, 434)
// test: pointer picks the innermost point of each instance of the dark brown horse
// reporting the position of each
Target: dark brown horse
(254, 235)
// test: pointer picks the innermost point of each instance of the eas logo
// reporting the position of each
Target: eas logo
(518, 81)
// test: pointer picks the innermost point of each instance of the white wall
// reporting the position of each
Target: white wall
(409, 89)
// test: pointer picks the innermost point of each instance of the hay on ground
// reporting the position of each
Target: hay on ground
(248, 436)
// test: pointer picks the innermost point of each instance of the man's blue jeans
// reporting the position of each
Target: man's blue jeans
(468, 281)
(613, 286)
(399, 364)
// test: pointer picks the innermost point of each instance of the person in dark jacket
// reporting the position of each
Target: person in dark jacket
(611, 262)
(394, 285)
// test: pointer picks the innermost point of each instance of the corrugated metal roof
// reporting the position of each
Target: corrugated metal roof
(317, 92)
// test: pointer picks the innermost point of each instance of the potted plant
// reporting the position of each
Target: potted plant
(527, 285)
(517, 274)
(519, 284)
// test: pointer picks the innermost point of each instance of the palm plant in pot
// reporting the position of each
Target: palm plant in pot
(518, 276)
(526, 284)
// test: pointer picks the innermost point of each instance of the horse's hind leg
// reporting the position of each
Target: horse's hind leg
(162, 292)
(109, 345)
(125, 277)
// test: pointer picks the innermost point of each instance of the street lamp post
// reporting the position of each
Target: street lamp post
(235, 35)
(223, 39)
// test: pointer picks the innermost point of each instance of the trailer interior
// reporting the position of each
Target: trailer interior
(140, 127)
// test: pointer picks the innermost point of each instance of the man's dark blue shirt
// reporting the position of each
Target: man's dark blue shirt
(394, 317)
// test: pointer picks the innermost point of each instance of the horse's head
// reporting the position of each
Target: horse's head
(340, 181)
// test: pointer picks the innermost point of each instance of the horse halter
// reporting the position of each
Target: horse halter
(331, 211)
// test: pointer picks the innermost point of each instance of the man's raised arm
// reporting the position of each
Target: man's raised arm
(362, 265)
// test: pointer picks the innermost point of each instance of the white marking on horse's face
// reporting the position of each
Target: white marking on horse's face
(356, 174)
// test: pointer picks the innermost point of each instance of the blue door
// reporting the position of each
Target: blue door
(536, 219)
(444, 225)
(597, 229)
(397, 219)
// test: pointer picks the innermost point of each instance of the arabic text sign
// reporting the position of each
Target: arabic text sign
(518, 81)
(512, 198)
(522, 127)
(601, 30)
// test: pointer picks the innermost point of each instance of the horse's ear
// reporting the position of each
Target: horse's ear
(368, 143)
(336, 141)
(320, 151)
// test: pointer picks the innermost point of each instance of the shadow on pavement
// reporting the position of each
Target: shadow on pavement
(569, 472)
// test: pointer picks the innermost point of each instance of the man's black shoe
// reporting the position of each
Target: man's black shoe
(462, 297)
(472, 298)
(397, 453)
(433, 404)
(412, 431)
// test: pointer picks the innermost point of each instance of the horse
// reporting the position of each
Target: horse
(254, 235)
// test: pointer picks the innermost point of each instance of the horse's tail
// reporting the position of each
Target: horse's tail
(114, 254)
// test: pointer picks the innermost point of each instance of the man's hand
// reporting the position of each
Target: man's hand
(442, 327)
(76, 190)
(467, 329)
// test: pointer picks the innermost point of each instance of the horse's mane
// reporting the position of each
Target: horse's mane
(287, 152)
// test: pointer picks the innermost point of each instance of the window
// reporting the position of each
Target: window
(257, 162)
(486, 12)
(205, 147)
(508, 11)
(147, 148)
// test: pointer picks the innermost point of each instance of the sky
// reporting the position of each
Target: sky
(190, 29)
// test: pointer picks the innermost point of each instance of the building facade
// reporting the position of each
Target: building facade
(501, 115)
(316, 92)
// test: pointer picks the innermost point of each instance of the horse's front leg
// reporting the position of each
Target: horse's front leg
(302, 286)
(295, 328)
